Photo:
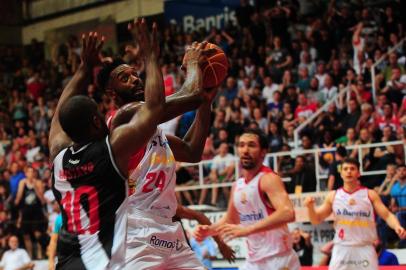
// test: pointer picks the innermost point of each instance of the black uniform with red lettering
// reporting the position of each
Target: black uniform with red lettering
(91, 193)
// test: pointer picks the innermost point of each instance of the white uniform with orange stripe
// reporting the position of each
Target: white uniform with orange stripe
(154, 241)
(355, 231)
(266, 250)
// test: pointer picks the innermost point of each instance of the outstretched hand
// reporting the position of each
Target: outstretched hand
(196, 54)
(91, 47)
(147, 42)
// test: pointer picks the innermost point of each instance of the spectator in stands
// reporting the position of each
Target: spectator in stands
(15, 258)
(304, 110)
(391, 177)
(385, 257)
(302, 244)
(366, 119)
(276, 106)
(278, 59)
(222, 171)
(303, 178)
(274, 137)
(351, 118)
(398, 203)
(30, 199)
(184, 178)
(269, 89)
(388, 118)
(329, 90)
(334, 174)
(16, 176)
(395, 86)
(385, 154)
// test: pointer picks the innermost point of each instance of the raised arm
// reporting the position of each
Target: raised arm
(91, 47)
(128, 138)
(385, 214)
(318, 215)
(188, 98)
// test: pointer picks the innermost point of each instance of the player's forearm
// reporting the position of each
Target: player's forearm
(392, 221)
(190, 96)
(154, 86)
(195, 138)
(275, 220)
(313, 216)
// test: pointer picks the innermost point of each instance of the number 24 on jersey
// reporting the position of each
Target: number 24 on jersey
(154, 180)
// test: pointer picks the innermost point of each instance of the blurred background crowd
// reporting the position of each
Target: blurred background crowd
(283, 68)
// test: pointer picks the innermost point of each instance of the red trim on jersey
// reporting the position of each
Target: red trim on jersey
(359, 188)
(109, 117)
(264, 199)
(136, 159)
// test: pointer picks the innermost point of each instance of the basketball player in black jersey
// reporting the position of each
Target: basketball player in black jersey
(90, 165)
(123, 84)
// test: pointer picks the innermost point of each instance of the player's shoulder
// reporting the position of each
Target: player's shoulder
(269, 178)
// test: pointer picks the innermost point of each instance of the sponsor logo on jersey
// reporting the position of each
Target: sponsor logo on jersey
(346, 212)
(252, 217)
(162, 159)
(243, 198)
(161, 243)
(76, 172)
(358, 263)
(74, 161)
(352, 202)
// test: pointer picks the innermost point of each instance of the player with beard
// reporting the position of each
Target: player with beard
(259, 209)
(90, 165)
(152, 201)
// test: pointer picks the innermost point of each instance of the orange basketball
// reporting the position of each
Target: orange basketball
(215, 69)
(214, 66)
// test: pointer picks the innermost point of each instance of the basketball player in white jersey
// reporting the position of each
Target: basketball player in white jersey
(259, 209)
(354, 208)
(154, 241)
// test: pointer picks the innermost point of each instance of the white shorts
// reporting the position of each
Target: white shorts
(353, 258)
(155, 242)
(285, 261)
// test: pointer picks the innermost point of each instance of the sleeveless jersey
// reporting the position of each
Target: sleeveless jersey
(154, 178)
(354, 218)
(92, 195)
(252, 207)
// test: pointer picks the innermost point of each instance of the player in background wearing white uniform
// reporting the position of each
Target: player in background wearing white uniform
(259, 209)
(152, 201)
(354, 208)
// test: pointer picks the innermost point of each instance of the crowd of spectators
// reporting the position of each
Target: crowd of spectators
(283, 67)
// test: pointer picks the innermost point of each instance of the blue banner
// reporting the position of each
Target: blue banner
(195, 14)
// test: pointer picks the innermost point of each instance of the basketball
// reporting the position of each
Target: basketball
(214, 66)
(215, 69)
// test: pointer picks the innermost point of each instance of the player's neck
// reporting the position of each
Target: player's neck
(351, 186)
(251, 173)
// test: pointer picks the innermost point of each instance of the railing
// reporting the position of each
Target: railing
(297, 131)
(293, 153)
(383, 57)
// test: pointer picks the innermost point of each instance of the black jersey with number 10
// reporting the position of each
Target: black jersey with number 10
(92, 195)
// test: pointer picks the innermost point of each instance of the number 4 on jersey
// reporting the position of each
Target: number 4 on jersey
(156, 179)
